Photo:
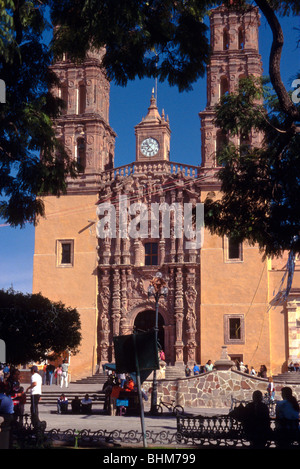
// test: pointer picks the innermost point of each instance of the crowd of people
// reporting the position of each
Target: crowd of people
(294, 366)
(113, 387)
(255, 416)
(56, 374)
(199, 369)
(13, 396)
(83, 406)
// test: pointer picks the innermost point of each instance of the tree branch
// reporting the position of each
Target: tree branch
(274, 62)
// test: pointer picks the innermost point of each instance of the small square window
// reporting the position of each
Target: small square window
(234, 329)
(151, 253)
(65, 253)
(233, 250)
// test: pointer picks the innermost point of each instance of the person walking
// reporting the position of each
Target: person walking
(35, 389)
(64, 375)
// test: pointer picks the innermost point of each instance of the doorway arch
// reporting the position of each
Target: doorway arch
(145, 321)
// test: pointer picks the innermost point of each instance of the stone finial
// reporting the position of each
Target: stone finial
(224, 362)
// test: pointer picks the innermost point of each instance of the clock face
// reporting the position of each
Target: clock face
(149, 146)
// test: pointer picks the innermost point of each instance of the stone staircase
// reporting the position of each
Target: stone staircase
(50, 397)
(98, 378)
(289, 377)
(174, 372)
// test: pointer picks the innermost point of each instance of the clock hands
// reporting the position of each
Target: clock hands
(149, 146)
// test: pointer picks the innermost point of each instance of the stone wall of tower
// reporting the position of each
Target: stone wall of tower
(70, 219)
(244, 288)
(84, 124)
(234, 42)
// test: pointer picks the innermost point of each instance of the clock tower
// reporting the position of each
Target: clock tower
(153, 135)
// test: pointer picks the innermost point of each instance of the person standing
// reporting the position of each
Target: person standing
(271, 388)
(209, 366)
(6, 405)
(50, 373)
(64, 375)
(35, 389)
(58, 373)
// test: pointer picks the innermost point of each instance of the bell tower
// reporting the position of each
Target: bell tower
(84, 126)
(153, 135)
(65, 241)
(235, 55)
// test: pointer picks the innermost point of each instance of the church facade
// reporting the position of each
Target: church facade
(101, 244)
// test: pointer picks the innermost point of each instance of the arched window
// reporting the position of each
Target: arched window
(221, 142)
(224, 86)
(64, 97)
(245, 143)
(225, 39)
(109, 162)
(81, 156)
(81, 99)
(241, 39)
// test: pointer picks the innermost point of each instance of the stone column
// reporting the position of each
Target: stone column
(104, 298)
(179, 316)
(124, 301)
(116, 303)
(190, 296)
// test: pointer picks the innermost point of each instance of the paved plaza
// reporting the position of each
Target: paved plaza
(98, 420)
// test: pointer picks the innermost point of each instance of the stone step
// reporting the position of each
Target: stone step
(52, 396)
(94, 379)
(288, 377)
(174, 372)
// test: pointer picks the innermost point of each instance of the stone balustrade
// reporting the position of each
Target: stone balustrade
(215, 389)
(140, 167)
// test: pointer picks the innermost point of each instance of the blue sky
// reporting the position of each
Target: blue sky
(127, 107)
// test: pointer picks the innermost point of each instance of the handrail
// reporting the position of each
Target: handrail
(139, 167)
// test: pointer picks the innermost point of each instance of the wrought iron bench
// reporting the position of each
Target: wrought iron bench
(27, 434)
(218, 430)
(228, 431)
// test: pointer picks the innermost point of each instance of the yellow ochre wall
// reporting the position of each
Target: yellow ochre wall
(70, 217)
(240, 288)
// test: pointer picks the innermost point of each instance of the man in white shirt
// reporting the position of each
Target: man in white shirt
(64, 376)
(35, 389)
